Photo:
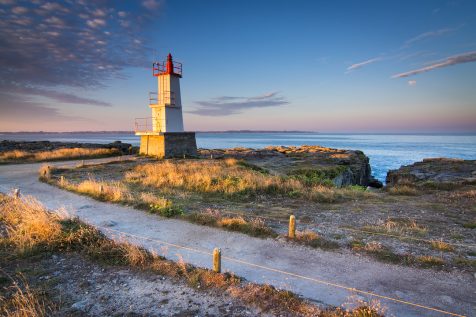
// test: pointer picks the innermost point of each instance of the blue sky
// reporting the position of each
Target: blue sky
(334, 66)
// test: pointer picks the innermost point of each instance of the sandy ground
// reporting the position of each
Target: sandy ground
(449, 291)
(84, 288)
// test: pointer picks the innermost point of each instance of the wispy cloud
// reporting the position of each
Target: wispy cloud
(46, 45)
(30, 110)
(362, 64)
(452, 60)
(427, 35)
(412, 82)
(229, 105)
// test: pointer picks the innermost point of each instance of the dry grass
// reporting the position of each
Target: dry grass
(59, 154)
(45, 172)
(110, 191)
(102, 190)
(209, 176)
(430, 261)
(255, 227)
(404, 190)
(313, 239)
(398, 226)
(230, 177)
(467, 194)
(442, 246)
(76, 236)
(28, 224)
(24, 302)
(268, 298)
(232, 222)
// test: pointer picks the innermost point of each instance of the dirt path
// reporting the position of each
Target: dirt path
(452, 292)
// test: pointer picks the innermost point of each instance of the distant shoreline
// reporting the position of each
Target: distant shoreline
(252, 131)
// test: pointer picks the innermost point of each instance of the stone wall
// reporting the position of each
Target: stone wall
(169, 144)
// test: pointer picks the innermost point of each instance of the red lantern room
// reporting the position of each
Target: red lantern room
(169, 67)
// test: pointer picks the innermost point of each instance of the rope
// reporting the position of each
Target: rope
(361, 231)
(407, 237)
(318, 281)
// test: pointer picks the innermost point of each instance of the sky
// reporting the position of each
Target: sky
(326, 66)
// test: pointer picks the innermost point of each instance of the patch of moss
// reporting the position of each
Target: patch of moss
(322, 176)
(470, 225)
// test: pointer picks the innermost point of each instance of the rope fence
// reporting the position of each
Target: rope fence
(368, 232)
(216, 255)
(299, 276)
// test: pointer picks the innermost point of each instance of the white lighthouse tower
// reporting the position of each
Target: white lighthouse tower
(163, 134)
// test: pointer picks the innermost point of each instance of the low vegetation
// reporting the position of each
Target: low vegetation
(19, 156)
(314, 240)
(255, 227)
(404, 190)
(384, 254)
(24, 301)
(241, 193)
(398, 226)
(232, 178)
(32, 230)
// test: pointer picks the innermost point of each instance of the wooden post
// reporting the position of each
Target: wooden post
(101, 189)
(62, 180)
(217, 260)
(292, 227)
(16, 193)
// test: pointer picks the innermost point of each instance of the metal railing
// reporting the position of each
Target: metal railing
(159, 68)
(148, 124)
(166, 97)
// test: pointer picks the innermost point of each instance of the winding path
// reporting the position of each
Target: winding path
(451, 292)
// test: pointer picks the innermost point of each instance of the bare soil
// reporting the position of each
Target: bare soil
(74, 286)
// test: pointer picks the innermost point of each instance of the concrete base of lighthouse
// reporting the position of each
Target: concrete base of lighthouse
(168, 144)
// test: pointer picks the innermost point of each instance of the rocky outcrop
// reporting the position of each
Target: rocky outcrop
(342, 167)
(37, 146)
(434, 171)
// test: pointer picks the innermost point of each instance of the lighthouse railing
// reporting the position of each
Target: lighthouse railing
(159, 68)
(148, 124)
(164, 98)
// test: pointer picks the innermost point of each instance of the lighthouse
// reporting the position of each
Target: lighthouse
(162, 134)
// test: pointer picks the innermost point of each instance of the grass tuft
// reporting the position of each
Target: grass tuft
(403, 190)
(441, 246)
(24, 301)
(314, 240)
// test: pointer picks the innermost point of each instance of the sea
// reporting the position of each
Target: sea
(385, 151)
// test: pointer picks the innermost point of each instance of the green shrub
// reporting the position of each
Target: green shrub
(322, 176)
(168, 210)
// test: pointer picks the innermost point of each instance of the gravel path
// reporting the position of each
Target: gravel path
(452, 292)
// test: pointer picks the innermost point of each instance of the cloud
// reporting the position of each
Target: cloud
(412, 82)
(56, 95)
(14, 107)
(229, 105)
(151, 4)
(427, 35)
(452, 60)
(48, 47)
(362, 64)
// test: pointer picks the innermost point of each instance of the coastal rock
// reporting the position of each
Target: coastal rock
(434, 172)
(37, 146)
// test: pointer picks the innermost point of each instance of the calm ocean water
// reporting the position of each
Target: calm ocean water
(385, 151)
